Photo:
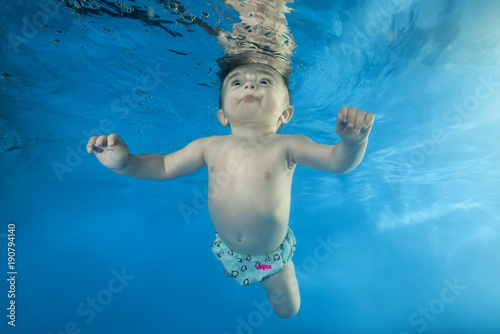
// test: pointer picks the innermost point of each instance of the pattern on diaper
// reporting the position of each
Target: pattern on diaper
(248, 269)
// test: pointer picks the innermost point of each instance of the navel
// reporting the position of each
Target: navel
(267, 175)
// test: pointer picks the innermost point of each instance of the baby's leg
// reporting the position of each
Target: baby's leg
(283, 291)
(225, 272)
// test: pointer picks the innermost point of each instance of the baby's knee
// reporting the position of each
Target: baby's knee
(287, 305)
(288, 310)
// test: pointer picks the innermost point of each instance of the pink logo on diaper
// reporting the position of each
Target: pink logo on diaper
(263, 267)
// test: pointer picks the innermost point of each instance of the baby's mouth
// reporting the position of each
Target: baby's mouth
(249, 98)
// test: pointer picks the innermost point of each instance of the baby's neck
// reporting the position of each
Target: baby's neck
(252, 132)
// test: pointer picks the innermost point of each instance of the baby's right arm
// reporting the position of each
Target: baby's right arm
(113, 153)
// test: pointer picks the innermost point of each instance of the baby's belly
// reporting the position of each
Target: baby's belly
(250, 225)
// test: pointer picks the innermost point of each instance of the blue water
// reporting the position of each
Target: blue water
(409, 242)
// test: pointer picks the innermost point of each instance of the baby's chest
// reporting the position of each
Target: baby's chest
(247, 159)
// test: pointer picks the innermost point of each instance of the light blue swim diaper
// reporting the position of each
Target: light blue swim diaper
(249, 269)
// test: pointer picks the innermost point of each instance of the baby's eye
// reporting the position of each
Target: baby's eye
(235, 83)
(265, 82)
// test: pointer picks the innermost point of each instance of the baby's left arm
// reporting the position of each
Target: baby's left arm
(353, 126)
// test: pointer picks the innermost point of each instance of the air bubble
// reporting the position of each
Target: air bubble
(172, 7)
(123, 7)
(189, 17)
(204, 15)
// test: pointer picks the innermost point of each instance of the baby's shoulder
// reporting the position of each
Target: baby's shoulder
(289, 140)
(213, 142)
(214, 139)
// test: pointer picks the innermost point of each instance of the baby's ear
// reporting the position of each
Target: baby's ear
(222, 117)
(286, 115)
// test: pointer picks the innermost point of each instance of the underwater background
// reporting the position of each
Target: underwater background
(409, 242)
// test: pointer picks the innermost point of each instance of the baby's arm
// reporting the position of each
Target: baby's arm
(353, 126)
(113, 153)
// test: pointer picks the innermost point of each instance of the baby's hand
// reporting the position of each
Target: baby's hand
(110, 150)
(353, 126)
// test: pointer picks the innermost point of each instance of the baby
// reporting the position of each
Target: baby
(253, 168)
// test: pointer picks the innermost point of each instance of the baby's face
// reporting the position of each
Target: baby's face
(254, 93)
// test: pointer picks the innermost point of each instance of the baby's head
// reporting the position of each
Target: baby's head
(254, 86)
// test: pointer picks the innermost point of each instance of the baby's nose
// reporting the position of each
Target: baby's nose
(249, 85)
